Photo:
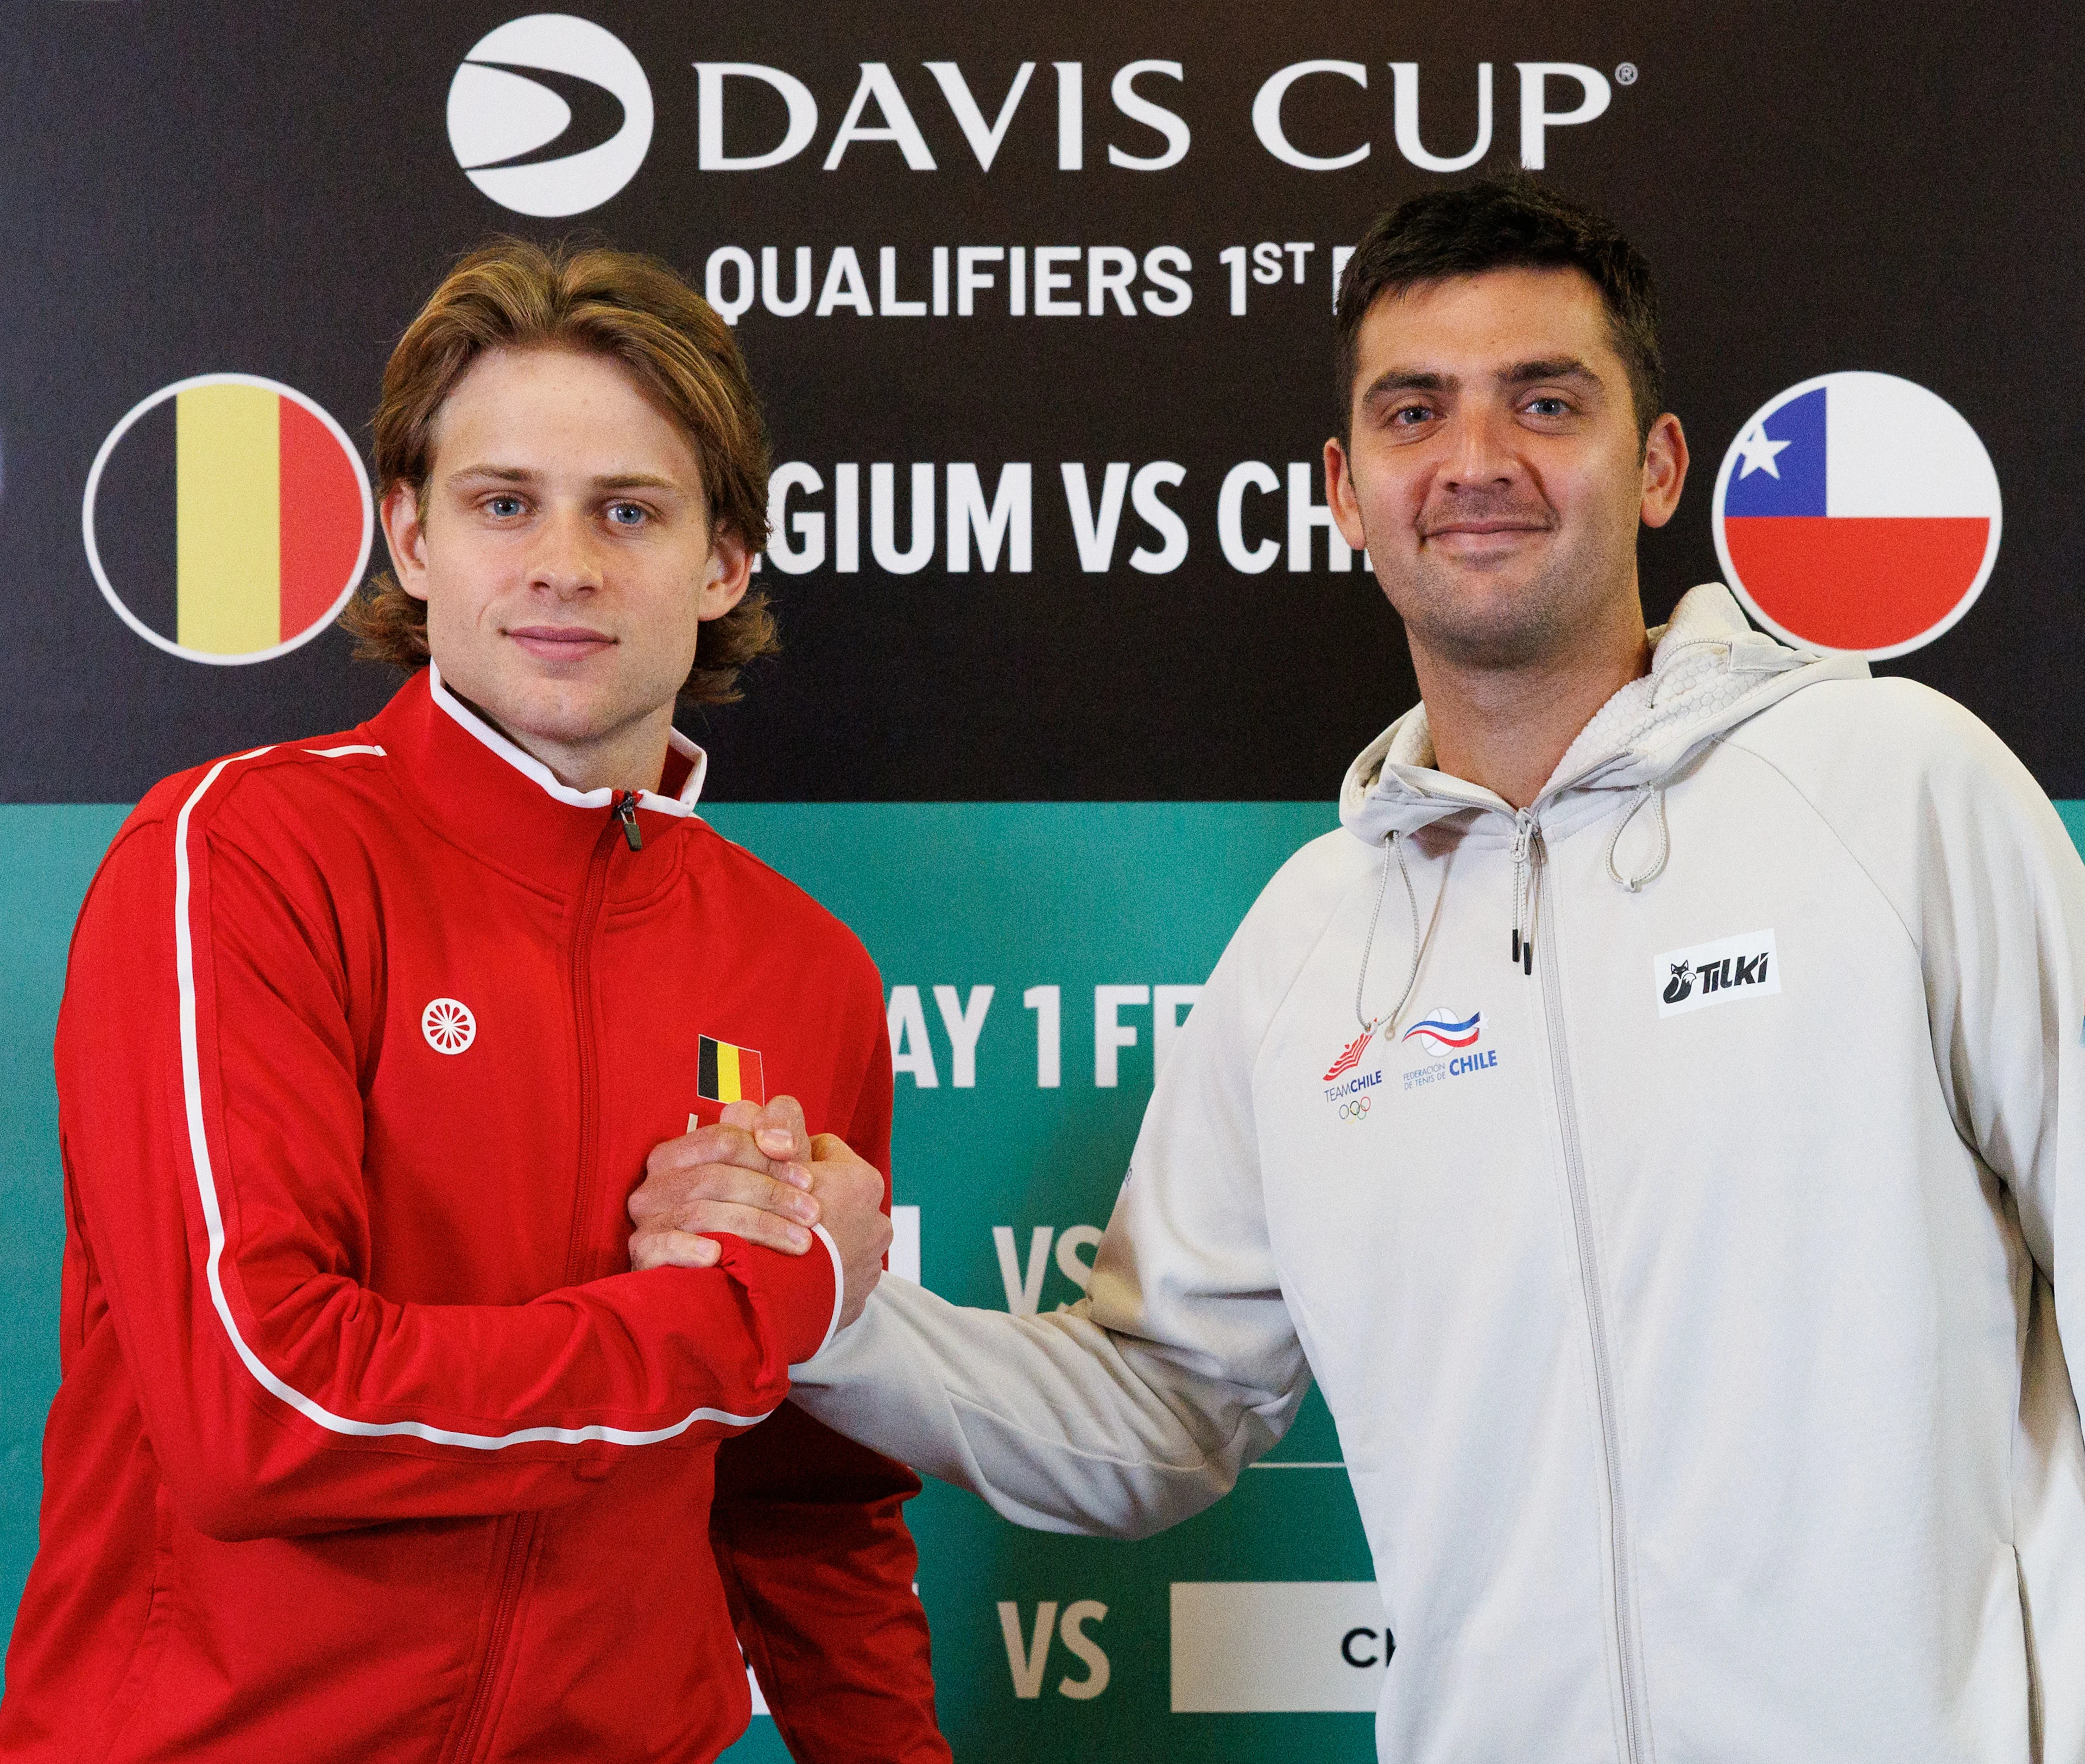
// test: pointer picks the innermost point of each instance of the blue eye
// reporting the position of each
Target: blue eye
(1548, 407)
(625, 514)
(501, 507)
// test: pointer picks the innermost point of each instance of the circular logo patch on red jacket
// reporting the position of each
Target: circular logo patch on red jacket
(449, 1026)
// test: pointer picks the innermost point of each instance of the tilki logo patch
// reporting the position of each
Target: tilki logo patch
(1733, 968)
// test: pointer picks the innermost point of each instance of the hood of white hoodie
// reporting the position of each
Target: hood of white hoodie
(1709, 672)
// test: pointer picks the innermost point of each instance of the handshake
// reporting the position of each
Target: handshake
(760, 1175)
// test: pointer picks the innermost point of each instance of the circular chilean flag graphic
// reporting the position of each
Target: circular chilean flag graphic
(227, 518)
(1857, 512)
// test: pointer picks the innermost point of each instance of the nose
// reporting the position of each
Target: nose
(568, 561)
(1480, 456)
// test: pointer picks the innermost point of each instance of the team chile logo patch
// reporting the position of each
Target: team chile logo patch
(1449, 1045)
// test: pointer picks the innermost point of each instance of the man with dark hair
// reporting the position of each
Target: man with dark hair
(369, 1443)
(1510, 222)
(1656, 1118)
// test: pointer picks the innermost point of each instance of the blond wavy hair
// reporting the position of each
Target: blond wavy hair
(512, 294)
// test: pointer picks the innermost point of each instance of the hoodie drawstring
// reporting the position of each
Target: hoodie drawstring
(1527, 857)
(1525, 832)
(1368, 948)
(1644, 793)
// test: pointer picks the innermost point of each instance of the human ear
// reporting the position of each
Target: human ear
(405, 537)
(1664, 469)
(1341, 496)
(725, 576)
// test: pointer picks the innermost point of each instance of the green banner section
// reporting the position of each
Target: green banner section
(47, 856)
(1035, 958)
(1074, 916)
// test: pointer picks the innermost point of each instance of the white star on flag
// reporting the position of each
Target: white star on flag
(1758, 452)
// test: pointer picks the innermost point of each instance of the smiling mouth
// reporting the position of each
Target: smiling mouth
(559, 641)
(1484, 528)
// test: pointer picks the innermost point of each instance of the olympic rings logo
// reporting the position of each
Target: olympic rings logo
(1356, 1110)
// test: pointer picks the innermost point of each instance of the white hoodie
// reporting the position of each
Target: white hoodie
(1683, 1292)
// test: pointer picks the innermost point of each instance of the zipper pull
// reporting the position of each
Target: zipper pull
(1533, 840)
(626, 812)
(1523, 831)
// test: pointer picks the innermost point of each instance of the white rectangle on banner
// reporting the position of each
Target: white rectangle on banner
(904, 1258)
(1277, 1646)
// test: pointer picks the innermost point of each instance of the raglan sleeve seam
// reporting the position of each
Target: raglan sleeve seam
(1838, 838)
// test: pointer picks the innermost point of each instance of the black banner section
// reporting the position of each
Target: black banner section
(1041, 305)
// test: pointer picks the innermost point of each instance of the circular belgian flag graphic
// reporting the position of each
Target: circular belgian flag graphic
(227, 518)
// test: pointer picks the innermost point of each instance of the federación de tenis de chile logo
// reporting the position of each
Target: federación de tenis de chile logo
(1446, 1041)
(1857, 512)
(1439, 1032)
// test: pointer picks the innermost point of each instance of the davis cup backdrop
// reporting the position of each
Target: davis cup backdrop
(1040, 306)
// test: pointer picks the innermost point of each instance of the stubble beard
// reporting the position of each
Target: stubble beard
(1469, 620)
(1496, 630)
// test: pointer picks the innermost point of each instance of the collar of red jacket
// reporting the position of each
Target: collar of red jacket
(479, 789)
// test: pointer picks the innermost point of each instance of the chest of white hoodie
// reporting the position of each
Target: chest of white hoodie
(1696, 1357)
(1675, 1354)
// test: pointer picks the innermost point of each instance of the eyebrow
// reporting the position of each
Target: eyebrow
(619, 481)
(1552, 367)
(1397, 380)
(639, 480)
(1404, 379)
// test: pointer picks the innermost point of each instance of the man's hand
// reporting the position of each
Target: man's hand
(757, 1173)
(746, 1175)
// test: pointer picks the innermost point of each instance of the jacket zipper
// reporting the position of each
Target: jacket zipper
(590, 902)
(1635, 1723)
(621, 816)
(626, 812)
(511, 1575)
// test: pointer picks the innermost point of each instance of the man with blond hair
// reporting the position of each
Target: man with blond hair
(369, 1444)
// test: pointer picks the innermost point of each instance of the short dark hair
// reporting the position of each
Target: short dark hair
(1508, 221)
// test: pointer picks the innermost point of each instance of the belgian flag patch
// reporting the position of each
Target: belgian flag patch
(728, 1074)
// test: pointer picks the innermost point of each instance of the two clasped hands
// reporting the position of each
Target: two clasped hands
(758, 1174)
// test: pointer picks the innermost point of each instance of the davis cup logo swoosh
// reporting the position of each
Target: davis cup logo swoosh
(549, 115)
(1440, 1030)
(227, 518)
(1857, 512)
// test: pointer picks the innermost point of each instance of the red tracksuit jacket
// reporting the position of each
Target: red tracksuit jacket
(368, 1444)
